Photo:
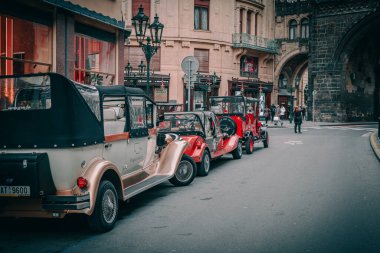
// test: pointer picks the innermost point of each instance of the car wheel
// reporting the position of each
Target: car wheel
(204, 166)
(106, 208)
(266, 141)
(238, 151)
(249, 144)
(185, 172)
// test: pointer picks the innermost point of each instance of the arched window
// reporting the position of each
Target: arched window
(305, 28)
(292, 29)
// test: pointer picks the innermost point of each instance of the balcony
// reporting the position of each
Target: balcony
(244, 40)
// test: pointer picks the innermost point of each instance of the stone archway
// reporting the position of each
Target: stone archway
(357, 57)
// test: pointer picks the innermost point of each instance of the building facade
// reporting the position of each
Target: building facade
(292, 33)
(232, 40)
(83, 40)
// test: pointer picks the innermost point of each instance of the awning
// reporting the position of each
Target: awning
(87, 13)
(284, 92)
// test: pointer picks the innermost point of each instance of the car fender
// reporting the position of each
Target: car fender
(233, 142)
(198, 153)
(94, 173)
(170, 157)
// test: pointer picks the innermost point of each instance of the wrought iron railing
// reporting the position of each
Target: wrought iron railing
(246, 40)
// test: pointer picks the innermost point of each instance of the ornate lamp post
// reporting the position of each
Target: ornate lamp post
(140, 24)
(141, 68)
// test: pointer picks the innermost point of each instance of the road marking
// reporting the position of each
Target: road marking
(367, 134)
(294, 142)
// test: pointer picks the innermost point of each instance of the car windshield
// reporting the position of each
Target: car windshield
(25, 93)
(181, 123)
(227, 105)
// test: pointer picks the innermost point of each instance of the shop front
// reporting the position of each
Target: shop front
(203, 87)
(158, 85)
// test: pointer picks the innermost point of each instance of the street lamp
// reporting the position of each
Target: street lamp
(141, 68)
(140, 24)
(128, 72)
(298, 79)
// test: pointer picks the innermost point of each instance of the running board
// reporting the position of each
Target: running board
(144, 185)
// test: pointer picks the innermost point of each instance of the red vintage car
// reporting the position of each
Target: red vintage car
(240, 115)
(206, 139)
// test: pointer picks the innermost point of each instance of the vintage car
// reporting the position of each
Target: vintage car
(240, 115)
(67, 148)
(202, 131)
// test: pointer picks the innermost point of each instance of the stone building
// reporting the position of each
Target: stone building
(344, 62)
(83, 40)
(232, 38)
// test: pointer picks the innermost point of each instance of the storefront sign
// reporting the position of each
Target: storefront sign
(161, 94)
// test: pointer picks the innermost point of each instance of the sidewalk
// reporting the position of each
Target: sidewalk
(373, 139)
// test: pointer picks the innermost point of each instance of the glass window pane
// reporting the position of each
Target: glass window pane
(25, 93)
(26, 45)
(95, 61)
(137, 112)
(204, 21)
(196, 18)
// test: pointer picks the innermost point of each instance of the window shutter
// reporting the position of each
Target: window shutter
(202, 3)
(202, 56)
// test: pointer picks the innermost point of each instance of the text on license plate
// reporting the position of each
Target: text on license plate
(14, 191)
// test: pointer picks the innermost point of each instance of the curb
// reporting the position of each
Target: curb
(375, 144)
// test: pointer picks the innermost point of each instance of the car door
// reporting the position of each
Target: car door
(138, 131)
(116, 139)
(218, 136)
(211, 139)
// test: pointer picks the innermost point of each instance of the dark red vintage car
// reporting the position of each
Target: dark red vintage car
(240, 115)
(203, 133)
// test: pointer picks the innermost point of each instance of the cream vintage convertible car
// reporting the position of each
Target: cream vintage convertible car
(72, 148)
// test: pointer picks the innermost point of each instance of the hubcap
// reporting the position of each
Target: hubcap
(240, 149)
(184, 171)
(109, 206)
(206, 163)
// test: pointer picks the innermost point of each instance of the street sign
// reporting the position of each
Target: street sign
(190, 64)
(192, 79)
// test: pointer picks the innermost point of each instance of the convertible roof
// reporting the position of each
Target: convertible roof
(119, 90)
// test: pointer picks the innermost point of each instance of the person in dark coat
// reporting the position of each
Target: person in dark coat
(297, 119)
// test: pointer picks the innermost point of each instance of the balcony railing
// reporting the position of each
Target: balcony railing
(254, 42)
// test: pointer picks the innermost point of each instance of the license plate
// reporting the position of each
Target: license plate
(14, 191)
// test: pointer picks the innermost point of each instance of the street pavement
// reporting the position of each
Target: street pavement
(312, 192)
(373, 138)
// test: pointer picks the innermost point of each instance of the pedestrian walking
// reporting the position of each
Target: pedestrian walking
(272, 112)
(282, 113)
(297, 119)
(303, 110)
(266, 114)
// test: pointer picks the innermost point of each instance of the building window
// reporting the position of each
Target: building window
(292, 29)
(95, 58)
(25, 46)
(249, 16)
(201, 8)
(305, 28)
(202, 56)
(249, 66)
